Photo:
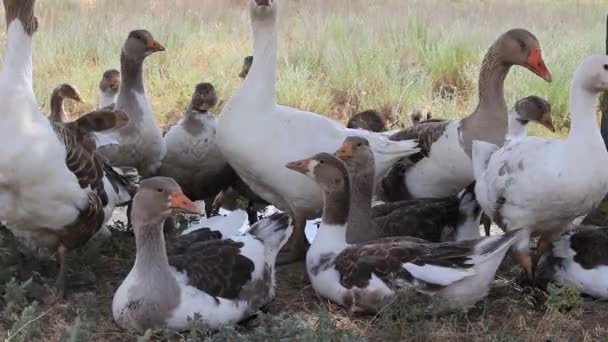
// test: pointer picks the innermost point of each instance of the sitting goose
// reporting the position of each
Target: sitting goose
(543, 184)
(365, 276)
(60, 93)
(193, 158)
(253, 121)
(580, 258)
(443, 167)
(370, 120)
(140, 143)
(52, 191)
(108, 89)
(225, 281)
(431, 219)
(246, 66)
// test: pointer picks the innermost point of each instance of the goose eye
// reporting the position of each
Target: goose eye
(159, 190)
(359, 144)
(606, 67)
(321, 161)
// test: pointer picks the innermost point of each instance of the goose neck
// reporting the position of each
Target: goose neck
(132, 74)
(491, 86)
(583, 124)
(57, 109)
(17, 66)
(360, 227)
(517, 127)
(151, 255)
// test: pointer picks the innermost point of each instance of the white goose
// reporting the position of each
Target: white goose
(252, 124)
(365, 276)
(542, 184)
(52, 189)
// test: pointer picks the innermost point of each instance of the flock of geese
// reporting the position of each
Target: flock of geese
(400, 209)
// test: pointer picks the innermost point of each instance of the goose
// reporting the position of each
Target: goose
(365, 276)
(51, 186)
(252, 123)
(543, 184)
(108, 88)
(224, 280)
(247, 61)
(531, 108)
(60, 93)
(140, 143)
(370, 120)
(416, 116)
(443, 167)
(431, 219)
(579, 257)
(193, 158)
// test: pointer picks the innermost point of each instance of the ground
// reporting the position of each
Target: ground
(296, 314)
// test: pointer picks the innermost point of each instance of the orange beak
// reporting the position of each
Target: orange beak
(345, 152)
(547, 121)
(300, 165)
(77, 98)
(537, 65)
(181, 203)
(154, 46)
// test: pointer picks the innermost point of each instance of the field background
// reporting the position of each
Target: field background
(336, 57)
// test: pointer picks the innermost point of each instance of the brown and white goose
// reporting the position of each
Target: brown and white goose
(443, 166)
(52, 192)
(108, 89)
(193, 158)
(140, 143)
(432, 219)
(579, 257)
(59, 94)
(225, 280)
(365, 276)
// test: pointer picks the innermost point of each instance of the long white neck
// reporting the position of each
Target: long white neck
(17, 66)
(583, 127)
(517, 129)
(261, 80)
(106, 99)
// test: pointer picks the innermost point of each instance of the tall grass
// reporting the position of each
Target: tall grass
(335, 56)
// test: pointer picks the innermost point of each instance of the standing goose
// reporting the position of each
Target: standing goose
(193, 158)
(52, 191)
(365, 276)
(443, 166)
(430, 219)
(60, 93)
(579, 257)
(108, 89)
(140, 143)
(225, 280)
(543, 184)
(252, 123)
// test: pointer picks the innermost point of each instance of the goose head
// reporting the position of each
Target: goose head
(261, 9)
(110, 82)
(158, 198)
(66, 91)
(246, 66)
(325, 169)
(417, 116)
(520, 47)
(23, 11)
(356, 153)
(204, 97)
(533, 108)
(140, 44)
(592, 74)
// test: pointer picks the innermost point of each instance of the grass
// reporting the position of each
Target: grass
(335, 57)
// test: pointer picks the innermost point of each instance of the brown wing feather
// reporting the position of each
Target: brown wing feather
(216, 267)
(85, 226)
(426, 133)
(384, 258)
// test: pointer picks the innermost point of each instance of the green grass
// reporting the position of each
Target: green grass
(334, 57)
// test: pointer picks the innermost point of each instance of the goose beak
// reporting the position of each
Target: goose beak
(153, 46)
(547, 122)
(536, 64)
(300, 166)
(181, 203)
(345, 152)
(76, 97)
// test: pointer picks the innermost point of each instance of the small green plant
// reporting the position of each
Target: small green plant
(14, 296)
(79, 331)
(564, 299)
(27, 326)
(406, 318)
